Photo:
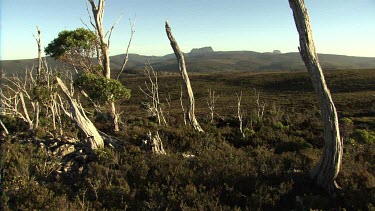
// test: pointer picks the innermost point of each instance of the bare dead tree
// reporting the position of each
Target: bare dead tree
(13, 99)
(97, 47)
(211, 100)
(103, 49)
(240, 114)
(152, 93)
(260, 105)
(50, 101)
(1, 105)
(154, 144)
(325, 172)
(38, 82)
(35, 89)
(20, 90)
(98, 14)
(6, 132)
(181, 63)
(77, 114)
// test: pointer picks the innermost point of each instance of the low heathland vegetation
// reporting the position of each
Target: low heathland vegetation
(262, 167)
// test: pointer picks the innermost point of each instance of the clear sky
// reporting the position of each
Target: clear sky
(345, 27)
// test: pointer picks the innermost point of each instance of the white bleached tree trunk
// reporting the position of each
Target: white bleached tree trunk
(154, 144)
(85, 125)
(98, 13)
(181, 63)
(325, 172)
(38, 77)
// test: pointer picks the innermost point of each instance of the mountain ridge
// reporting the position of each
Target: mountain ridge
(207, 60)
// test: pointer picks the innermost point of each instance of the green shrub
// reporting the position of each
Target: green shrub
(363, 136)
(13, 124)
(101, 89)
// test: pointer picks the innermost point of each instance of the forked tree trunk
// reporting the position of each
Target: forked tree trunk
(325, 172)
(181, 64)
(98, 12)
(84, 124)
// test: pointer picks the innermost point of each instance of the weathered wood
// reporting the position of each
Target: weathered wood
(211, 100)
(98, 13)
(325, 172)
(182, 67)
(4, 128)
(38, 82)
(1, 105)
(152, 93)
(81, 120)
(126, 58)
(240, 114)
(154, 144)
(25, 111)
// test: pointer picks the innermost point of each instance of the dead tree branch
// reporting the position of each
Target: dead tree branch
(132, 31)
(78, 115)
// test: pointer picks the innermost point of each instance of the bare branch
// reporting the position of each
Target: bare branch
(153, 95)
(112, 27)
(132, 31)
(4, 128)
(25, 111)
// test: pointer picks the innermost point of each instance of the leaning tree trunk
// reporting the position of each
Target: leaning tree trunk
(81, 120)
(181, 63)
(325, 172)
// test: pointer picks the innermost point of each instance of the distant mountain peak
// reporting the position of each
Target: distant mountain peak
(204, 50)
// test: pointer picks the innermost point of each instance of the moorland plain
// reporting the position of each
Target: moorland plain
(265, 170)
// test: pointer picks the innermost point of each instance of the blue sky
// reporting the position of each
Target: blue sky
(344, 27)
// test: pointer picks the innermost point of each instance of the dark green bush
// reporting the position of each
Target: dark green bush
(101, 89)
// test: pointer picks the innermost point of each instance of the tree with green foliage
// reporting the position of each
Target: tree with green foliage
(100, 89)
(78, 48)
(74, 47)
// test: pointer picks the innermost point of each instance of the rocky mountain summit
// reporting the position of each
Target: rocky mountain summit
(199, 51)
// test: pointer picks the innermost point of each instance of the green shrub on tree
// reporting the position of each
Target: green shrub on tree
(78, 48)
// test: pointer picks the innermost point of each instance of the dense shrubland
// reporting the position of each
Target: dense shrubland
(219, 169)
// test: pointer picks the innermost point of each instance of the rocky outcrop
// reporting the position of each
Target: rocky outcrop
(199, 51)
